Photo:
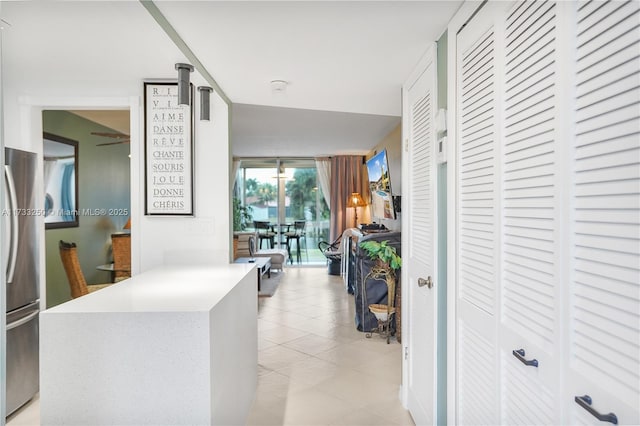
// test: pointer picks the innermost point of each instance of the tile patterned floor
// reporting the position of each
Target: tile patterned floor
(314, 368)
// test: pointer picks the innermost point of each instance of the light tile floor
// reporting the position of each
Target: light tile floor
(314, 367)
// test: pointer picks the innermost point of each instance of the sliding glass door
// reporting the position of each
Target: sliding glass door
(285, 193)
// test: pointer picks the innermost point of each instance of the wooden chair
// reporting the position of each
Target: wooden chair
(121, 249)
(77, 283)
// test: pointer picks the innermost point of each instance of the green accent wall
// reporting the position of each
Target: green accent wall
(441, 336)
(103, 183)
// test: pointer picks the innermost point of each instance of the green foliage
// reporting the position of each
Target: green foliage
(266, 192)
(301, 192)
(242, 215)
(250, 187)
(383, 251)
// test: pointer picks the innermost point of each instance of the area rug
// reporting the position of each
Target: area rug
(268, 286)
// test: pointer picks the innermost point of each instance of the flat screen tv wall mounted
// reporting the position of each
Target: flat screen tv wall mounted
(380, 187)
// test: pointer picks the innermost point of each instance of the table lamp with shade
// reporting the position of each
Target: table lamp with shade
(355, 200)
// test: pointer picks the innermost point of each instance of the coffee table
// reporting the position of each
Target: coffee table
(263, 266)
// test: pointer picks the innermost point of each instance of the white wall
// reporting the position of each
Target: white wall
(204, 237)
(45, 69)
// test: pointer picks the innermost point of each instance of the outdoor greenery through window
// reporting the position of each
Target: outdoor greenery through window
(283, 192)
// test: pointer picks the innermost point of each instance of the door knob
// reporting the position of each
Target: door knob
(428, 282)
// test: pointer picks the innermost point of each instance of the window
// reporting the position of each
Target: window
(281, 192)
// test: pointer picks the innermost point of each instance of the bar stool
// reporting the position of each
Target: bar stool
(265, 232)
(297, 234)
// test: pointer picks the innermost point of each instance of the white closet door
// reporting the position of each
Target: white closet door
(478, 242)
(419, 254)
(508, 295)
(604, 315)
(529, 217)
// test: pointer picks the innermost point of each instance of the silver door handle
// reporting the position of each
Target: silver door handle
(22, 321)
(428, 282)
(13, 216)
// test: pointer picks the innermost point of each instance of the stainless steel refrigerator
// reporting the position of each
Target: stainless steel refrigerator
(20, 241)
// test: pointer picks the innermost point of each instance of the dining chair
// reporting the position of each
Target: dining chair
(298, 233)
(265, 232)
(121, 249)
(77, 282)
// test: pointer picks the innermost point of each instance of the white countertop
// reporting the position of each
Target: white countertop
(168, 289)
(161, 348)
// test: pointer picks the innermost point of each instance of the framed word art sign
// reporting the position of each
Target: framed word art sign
(168, 151)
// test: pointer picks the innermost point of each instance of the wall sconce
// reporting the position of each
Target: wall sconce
(183, 82)
(355, 200)
(205, 102)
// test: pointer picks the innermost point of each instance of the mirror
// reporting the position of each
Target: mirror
(60, 182)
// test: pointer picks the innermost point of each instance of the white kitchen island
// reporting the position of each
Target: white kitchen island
(172, 346)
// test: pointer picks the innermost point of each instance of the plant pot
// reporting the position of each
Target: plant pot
(235, 247)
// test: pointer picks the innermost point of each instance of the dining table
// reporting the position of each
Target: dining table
(110, 267)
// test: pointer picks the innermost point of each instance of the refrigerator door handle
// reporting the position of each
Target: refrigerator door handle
(22, 321)
(13, 215)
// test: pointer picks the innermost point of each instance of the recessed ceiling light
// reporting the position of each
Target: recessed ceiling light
(279, 86)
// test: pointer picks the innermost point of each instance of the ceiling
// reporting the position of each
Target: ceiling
(345, 61)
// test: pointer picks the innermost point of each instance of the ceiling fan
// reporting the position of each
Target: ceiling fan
(123, 138)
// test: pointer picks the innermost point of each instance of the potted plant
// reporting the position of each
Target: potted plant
(387, 263)
(385, 255)
(242, 215)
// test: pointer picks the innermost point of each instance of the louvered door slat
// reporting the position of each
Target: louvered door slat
(517, 110)
(595, 216)
(529, 251)
(594, 323)
(588, 8)
(476, 185)
(599, 29)
(611, 133)
(611, 102)
(607, 235)
(625, 58)
(601, 87)
(519, 15)
(519, 76)
(477, 385)
(520, 384)
(421, 210)
(539, 82)
(532, 32)
(605, 285)
(608, 119)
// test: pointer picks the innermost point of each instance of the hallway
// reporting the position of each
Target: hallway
(315, 368)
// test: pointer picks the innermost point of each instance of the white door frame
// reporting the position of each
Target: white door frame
(464, 14)
(31, 127)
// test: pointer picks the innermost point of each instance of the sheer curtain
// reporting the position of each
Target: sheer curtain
(68, 192)
(49, 165)
(346, 177)
(323, 166)
(235, 166)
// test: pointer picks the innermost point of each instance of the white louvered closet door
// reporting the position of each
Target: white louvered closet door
(604, 297)
(478, 241)
(419, 254)
(529, 221)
